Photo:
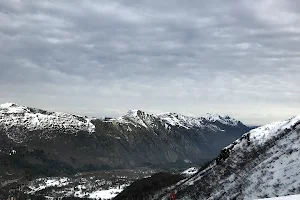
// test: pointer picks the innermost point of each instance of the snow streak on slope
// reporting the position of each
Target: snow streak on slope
(190, 171)
(263, 163)
(15, 117)
(291, 197)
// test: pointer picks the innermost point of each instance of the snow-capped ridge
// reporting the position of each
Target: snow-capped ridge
(132, 113)
(186, 121)
(264, 133)
(14, 116)
(7, 105)
(226, 119)
(137, 117)
(179, 120)
(144, 119)
(13, 108)
(135, 113)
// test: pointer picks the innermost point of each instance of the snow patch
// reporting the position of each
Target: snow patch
(45, 183)
(107, 194)
(291, 197)
(190, 171)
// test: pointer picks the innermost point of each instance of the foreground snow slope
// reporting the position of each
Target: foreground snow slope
(291, 197)
(264, 162)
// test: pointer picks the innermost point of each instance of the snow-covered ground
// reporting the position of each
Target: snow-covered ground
(190, 171)
(82, 188)
(44, 183)
(291, 197)
(93, 185)
(107, 194)
(277, 172)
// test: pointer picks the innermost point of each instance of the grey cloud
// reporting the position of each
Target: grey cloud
(104, 57)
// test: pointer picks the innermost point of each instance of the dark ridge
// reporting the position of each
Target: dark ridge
(146, 187)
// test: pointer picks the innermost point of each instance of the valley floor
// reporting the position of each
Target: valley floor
(93, 185)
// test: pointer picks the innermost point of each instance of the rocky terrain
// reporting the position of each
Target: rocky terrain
(262, 163)
(36, 143)
(38, 137)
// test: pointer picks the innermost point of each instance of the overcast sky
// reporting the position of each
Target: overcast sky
(104, 57)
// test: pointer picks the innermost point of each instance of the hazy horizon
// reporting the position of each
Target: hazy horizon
(103, 58)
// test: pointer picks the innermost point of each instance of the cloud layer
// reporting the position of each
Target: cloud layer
(104, 57)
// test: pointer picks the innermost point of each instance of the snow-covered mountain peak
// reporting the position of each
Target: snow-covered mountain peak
(7, 105)
(17, 117)
(137, 114)
(179, 120)
(134, 113)
(137, 118)
(227, 120)
(13, 108)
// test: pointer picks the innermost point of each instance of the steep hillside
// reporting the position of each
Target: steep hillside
(264, 162)
(34, 141)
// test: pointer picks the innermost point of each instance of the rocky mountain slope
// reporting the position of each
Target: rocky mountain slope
(264, 162)
(35, 141)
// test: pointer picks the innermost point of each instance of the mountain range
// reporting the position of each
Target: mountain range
(36, 141)
(245, 163)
